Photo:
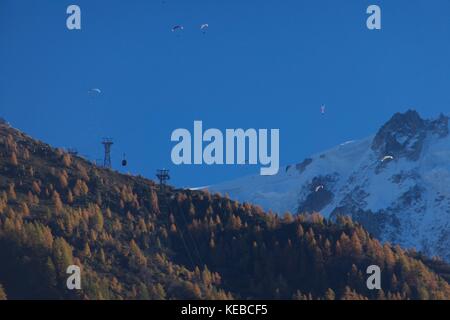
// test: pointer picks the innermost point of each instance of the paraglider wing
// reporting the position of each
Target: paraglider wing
(95, 90)
(177, 28)
(204, 27)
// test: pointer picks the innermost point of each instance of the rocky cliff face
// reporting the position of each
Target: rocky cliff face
(404, 135)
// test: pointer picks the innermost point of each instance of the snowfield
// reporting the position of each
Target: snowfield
(396, 183)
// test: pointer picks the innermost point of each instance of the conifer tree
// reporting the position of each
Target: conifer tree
(62, 255)
(2, 293)
(12, 192)
(35, 187)
(330, 295)
(57, 202)
(13, 160)
(67, 161)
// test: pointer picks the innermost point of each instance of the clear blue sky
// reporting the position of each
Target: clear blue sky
(262, 64)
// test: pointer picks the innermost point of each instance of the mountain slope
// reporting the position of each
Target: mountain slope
(135, 241)
(395, 183)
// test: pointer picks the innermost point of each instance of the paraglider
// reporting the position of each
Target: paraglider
(387, 158)
(204, 27)
(322, 109)
(318, 188)
(95, 91)
(177, 28)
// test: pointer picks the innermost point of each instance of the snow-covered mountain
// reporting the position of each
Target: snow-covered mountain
(396, 183)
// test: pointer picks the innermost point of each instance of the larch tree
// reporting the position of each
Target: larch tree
(330, 295)
(2, 293)
(13, 159)
(62, 255)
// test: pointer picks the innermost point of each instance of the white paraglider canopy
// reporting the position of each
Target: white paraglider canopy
(95, 91)
(385, 158)
(204, 27)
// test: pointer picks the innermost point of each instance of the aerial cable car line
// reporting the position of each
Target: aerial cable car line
(186, 248)
(197, 251)
(163, 176)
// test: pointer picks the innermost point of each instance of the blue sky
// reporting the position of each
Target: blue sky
(262, 64)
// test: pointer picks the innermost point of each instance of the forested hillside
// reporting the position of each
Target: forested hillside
(134, 241)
